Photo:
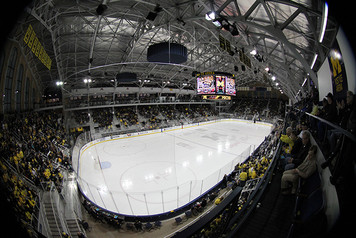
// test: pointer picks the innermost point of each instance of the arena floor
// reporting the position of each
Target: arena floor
(159, 172)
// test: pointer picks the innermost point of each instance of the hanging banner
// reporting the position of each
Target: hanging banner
(37, 48)
(338, 73)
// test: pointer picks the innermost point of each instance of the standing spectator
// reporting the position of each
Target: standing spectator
(329, 114)
(331, 111)
(344, 114)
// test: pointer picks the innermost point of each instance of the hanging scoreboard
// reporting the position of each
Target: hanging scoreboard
(216, 83)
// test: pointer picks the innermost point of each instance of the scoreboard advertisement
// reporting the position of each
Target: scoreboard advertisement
(216, 83)
(216, 97)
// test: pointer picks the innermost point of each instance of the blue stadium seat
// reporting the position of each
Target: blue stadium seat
(178, 220)
(158, 224)
(312, 205)
(188, 214)
(130, 226)
(148, 226)
(309, 185)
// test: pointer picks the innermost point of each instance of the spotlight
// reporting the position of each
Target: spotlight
(210, 16)
(87, 80)
(335, 54)
(217, 23)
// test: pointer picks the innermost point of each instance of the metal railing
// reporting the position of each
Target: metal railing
(338, 152)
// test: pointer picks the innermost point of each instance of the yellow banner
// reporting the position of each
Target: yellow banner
(36, 47)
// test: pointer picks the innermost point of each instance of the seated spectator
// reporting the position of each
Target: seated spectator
(298, 158)
(138, 225)
(219, 200)
(292, 149)
(288, 132)
(304, 170)
(203, 203)
(287, 139)
(212, 196)
(297, 143)
(242, 178)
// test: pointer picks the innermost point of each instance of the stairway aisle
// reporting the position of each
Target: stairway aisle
(274, 216)
(53, 220)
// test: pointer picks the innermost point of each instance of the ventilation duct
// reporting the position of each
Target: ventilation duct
(166, 52)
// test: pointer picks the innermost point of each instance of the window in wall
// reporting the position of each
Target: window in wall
(18, 88)
(8, 80)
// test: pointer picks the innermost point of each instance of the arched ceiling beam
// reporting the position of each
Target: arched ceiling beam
(278, 34)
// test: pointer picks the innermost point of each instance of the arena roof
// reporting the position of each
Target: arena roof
(85, 40)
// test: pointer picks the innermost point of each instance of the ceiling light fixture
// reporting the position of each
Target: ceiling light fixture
(253, 52)
(210, 16)
(305, 80)
(217, 23)
(87, 80)
(314, 60)
(324, 21)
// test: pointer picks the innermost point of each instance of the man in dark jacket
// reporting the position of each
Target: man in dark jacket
(330, 114)
(299, 157)
(345, 111)
(331, 111)
(297, 144)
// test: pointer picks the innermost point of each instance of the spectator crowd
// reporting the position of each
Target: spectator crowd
(31, 158)
(32, 144)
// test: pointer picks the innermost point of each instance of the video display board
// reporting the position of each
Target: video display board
(216, 83)
(206, 85)
(230, 86)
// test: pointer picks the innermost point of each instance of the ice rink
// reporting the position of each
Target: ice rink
(161, 171)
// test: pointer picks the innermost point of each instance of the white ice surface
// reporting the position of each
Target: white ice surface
(156, 173)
